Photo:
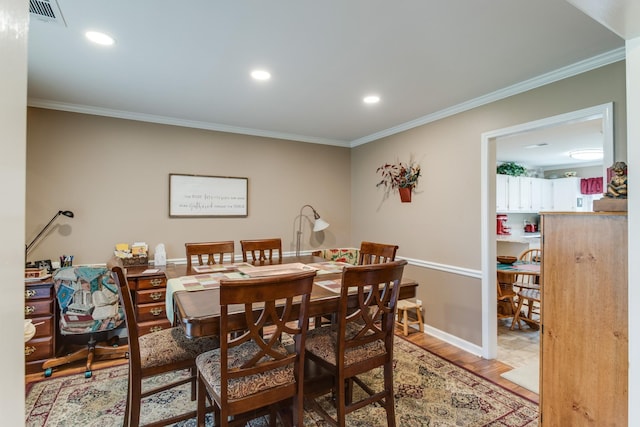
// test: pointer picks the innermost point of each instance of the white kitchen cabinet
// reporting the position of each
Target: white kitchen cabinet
(566, 194)
(547, 194)
(502, 202)
(532, 195)
(513, 194)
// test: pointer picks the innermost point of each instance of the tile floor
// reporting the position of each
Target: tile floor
(518, 347)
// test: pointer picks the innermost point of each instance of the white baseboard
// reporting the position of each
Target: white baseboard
(453, 340)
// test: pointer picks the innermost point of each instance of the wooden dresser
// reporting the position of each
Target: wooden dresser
(40, 306)
(148, 292)
(584, 341)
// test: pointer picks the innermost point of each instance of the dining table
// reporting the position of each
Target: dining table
(193, 300)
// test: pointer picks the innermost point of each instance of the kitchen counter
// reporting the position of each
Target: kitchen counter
(518, 238)
(515, 244)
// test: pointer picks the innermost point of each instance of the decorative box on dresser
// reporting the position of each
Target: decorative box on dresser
(148, 292)
(584, 341)
(40, 307)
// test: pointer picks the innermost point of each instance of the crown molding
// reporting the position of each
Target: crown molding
(551, 77)
(128, 115)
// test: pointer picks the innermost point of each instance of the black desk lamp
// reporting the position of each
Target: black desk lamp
(65, 213)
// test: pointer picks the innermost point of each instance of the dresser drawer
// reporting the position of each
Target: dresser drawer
(38, 348)
(45, 326)
(35, 308)
(38, 292)
(157, 282)
(155, 311)
(150, 296)
(148, 327)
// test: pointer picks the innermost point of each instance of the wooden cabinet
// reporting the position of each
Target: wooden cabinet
(584, 341)
(148, 292)
(40, 306)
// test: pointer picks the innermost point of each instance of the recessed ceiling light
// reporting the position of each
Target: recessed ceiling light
(99, 38)
(587, 154)
(371, 99)
(260, 75)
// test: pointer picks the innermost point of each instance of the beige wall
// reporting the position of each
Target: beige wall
(440, 229)
(113, 174)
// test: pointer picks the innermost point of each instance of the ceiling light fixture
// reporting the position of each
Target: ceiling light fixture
(587, 154)
(542, 144)
(99, 38)
(260, 75)
(371, 99)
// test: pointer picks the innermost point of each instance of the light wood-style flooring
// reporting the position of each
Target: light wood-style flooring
(488, 369)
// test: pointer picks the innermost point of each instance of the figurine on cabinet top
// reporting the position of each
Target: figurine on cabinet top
(617, 187)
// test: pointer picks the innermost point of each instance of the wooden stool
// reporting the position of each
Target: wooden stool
(405, 306)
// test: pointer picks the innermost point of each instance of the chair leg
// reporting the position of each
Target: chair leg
(202, 399)
(516, 318)
(127, 405)
(389, 401)
(135, 401)
(405, 321)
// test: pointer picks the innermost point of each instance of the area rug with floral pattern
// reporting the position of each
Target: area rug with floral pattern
(429, 391)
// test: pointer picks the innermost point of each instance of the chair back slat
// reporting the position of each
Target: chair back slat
(262, 251)
(278, 303)
(375, 253)
(120, 279)
(209, 253)
(377, 287)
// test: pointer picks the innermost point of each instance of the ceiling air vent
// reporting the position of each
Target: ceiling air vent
(46, 11)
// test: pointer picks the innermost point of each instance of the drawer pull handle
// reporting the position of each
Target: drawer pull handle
(28, 293)
(157, 282)
(28, 309)
(155, 328)
(156, 311)
(156, 296)
(28, 350)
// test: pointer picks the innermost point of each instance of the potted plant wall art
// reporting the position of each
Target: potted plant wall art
(400, 175)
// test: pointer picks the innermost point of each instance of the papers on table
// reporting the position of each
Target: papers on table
(273, 270)
(208, 268)
(331, 285)
(201, 281)
(151, 271)
(329, 267)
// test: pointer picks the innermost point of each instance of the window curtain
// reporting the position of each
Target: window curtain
(591, 185)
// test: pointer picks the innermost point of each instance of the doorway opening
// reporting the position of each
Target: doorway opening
(488, 203)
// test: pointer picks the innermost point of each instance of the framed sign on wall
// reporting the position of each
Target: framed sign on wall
(207, 196)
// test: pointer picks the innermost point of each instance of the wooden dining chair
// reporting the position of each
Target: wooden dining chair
(252, 372)
(156, 353)
(529, 256)
(532, 297)
(208, 253)
(360, 341)
(262, 251)
(506, 302)
(527, 289)
(374, 253)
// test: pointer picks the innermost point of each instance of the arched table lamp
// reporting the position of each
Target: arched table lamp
(318, 225)
(68, 214)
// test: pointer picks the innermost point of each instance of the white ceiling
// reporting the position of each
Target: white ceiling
(188, 63)
(526, 149)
